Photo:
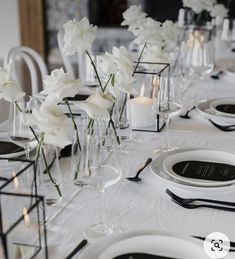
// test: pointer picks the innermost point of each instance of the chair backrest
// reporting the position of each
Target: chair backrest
(33, 61)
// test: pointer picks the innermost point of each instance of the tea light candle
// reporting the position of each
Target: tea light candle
(141, 111)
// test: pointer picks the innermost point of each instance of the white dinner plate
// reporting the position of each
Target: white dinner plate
(161, 245)
(161, 174)
(95, 250)
(230, 71)
(222, 101)
(205, 109)
(207, 155)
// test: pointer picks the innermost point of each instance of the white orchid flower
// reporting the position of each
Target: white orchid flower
(10, 90)
(97, 105)
(219, 10)
(78, 36)
(59, 85)
(53, 123)
(150, 33)
(199, 5)
(133, 17)
(170, 34)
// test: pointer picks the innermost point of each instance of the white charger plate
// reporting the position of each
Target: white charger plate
(222, 101)
(207, 155)
(94, 250)
(205, 109)
(161, 174)
(161, 245)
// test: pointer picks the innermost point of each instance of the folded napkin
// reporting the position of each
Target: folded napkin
(7, 147)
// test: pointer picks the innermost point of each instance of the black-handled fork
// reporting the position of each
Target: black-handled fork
(192, 200)
(136, 178)
(195, 206)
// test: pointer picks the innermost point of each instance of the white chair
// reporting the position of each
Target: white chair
(36, 66)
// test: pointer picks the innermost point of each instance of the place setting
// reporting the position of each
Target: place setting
(196, 169)
(144, 244)
(220, 112)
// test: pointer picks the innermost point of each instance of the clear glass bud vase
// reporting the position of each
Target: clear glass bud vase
(50, 181)
(121, 116)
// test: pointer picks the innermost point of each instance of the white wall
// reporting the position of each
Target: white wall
(9, 26)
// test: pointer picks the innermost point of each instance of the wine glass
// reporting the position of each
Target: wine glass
(98, 169)
(199, 54)
(228, 32)
(20, 133)
(166, 103)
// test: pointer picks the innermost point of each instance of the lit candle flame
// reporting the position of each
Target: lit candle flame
(16, 181)
(142, 90)
(26, 216)
(155, 86)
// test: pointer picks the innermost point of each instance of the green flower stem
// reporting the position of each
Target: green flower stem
(43, 154)
(114, 129)
(96, 72)
(74, 123)
(110, 77)
(17, 105)
(123, 107)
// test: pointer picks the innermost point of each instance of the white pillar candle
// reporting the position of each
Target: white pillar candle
(141, 110)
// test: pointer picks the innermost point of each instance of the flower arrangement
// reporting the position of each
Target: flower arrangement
(160, 38)
(204, 10)
(115, 72)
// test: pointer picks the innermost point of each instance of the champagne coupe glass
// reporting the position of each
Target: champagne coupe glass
(199, 54)
(166, 103)
(98, 169)
(19, 133)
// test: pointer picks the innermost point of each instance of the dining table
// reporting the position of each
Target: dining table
(144, 205)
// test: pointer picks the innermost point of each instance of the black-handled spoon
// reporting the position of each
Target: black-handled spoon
(136, 178)
(186, 115)
(216, 76)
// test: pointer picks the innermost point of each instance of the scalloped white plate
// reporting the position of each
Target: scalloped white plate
(167, 246)
(207, 155)
(222, 101)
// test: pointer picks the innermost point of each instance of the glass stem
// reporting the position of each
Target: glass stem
(167, 132)
(27, 150)
(101, 207)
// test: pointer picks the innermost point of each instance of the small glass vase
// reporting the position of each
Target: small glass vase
(121, 116)
(50, 181)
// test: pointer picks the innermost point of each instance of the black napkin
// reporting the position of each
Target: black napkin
(226, 108)
(78, 97)
(9, 147)
(141, 256)
(210, 171)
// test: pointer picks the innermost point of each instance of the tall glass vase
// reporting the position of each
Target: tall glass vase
(50, 182)
(121, 116)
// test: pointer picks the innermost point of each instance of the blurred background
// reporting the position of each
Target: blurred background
(36, 23)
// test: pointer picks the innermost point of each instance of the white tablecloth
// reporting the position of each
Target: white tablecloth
(144, 205)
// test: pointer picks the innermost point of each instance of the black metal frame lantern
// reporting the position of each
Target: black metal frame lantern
(156, 69)
(28, 167)
(23, 230)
